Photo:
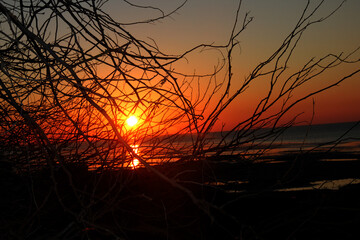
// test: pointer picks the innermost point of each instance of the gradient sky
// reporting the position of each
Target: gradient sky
(211, 21)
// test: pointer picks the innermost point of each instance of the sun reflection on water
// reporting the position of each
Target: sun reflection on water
(135, 162)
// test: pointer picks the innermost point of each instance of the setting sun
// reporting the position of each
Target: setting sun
(132, 121)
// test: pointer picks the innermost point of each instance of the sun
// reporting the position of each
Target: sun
(132, 121)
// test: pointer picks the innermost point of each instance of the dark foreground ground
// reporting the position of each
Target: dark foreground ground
(234, 200)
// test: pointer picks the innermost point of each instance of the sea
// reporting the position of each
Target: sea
(336, 136)
(344, 137)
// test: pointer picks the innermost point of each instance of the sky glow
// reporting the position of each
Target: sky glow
(211, 22)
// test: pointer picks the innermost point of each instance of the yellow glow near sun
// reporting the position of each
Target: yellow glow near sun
(132, 121)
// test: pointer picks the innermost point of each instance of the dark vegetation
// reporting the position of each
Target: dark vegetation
(240, 198)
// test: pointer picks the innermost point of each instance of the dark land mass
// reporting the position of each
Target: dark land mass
(235, 200)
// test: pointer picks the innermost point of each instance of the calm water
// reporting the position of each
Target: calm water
(339, 136)
(323, 133)
(316, 137)
(343, 137)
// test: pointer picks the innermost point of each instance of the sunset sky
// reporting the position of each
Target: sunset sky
(211, 21)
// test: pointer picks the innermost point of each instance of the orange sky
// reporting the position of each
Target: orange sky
(211, 22)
